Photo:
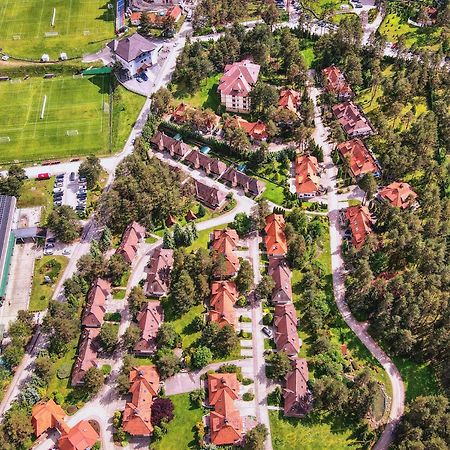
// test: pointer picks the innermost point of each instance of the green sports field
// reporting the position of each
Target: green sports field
(75, 122)
(81, 26)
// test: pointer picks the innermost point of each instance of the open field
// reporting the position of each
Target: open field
(80, 27)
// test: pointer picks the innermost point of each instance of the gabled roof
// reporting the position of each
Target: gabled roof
(210, 196)
(286, 335)
(352, 119)
(297, 398)
(281, 275)
(220, 382)
(133, 46)
(87, 355)
(289, 99)
(256, 130)
(46, 415)
(95, 308)
(224, 242)
(130, 240)
(307, 180)
(81, 437)
(149, 320)
(158, 277)
(360, 160)
(240, 179)
(399, 194)
(275, 239)
(239, 78)
(179, 113)
(162, 142)
(335, 82)
(205, 162)
(223, 298)
(360, 223)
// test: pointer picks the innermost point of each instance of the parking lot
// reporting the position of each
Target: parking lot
(71, 191)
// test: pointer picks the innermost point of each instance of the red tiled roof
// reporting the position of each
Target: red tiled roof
(219, 382)
(46, 415)
(281, 275)
(286, 335)
(223, 298)
(95, 308)
(130, 240)
(297, 398)
(335, 82)
(149, 320)
(307, 178)
(256, 130)
(205, 162)
(360, 222)
(239, 78)
(81, 437)
(289, 99)
(224, 242)
(87, 355)
(399, 194)
(275, 238)
(360, 160)
(179, 114)
(161, 142)
(158, 277)
(351, 119)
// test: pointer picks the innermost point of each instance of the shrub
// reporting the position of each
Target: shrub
(162, 409)
(64, 371)
(196, 397)
(268, 319)
(113, 317)
(275, 398)
(231, 368)
(242, 302)
(248, 396)
(244, 319)
(247, 381)
(106, 369)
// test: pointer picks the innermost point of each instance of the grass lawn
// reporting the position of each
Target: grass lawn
(119, 294)
(37, 193)
(205, 97)
(41, 293)
(323, 7)
(419, 379)
(180, 431)
(203, 238)
(80, 27)
(308, 434)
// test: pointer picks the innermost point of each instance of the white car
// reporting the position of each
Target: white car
(5, 58)
(48, 251)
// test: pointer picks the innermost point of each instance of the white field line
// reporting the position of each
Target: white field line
(54, 16)
(43, 107)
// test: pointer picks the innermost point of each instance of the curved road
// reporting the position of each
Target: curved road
(360, 329)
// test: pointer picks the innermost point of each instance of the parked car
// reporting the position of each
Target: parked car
(72, 176)
(51, 240)
(48, 251)
(267, 331)
(82, 179)
(49, 245)
(57, 202)
(139, 79)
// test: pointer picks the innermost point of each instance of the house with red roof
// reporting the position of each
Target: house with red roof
(359, 220)
(249, 185)
(163, 143)
(225, 421)
(180, 112)
(95, 307)
(281, 275)
(289, 99)
(158, 273)
(223, 298)
(87, 355)
(144, 387)
(133, 235)
(149, 319)
(335, 83)
(236, 84)
(255, 130)
(285, 325)
(211, 166)
(80, 437)
(224, 244)
(399, 194)
(47, 415)
(275, 239)
(296, 393)
(360, 160)
(307, 178)
(352, 120)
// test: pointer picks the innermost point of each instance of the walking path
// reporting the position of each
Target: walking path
(360, 329)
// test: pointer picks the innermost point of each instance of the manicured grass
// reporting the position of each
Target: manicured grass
(119, 294)
(205, 97)
(37, 193)
(419, 379)
(273, 193)
(41, 293)
(323, 7)
(308, 434)
(151, 240)
(81, 27)
(309, 56)
(203, 238)
(180, 431)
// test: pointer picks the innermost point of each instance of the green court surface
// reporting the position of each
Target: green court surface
(80, 26)
(76, 118)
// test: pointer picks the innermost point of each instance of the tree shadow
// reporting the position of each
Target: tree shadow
(102, 82)
(108, 14)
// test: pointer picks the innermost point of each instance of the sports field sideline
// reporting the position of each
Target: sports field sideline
(76, 118)
(80, 26)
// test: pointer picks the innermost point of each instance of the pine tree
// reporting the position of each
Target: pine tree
(168, 241)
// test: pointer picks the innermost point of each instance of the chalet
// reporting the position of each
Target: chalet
(158, 18)
(87, 355)
(149, 319)
(236, 84)
(81, 436)
(360, 222)
(285, 324)
(144, 387)
(250, 185)
(297, 395)
(255, 130)
(352, 120)
(134, 234)
(179, 114)
(399, 195)
(281, 275)
(223, 298)
(275, 239)
(95, 306)
(224, 244)
(199, 160)
(225, 421)
(163, 143)
(335, 83)
(307, 179)
(190, 216)
(360, 160)
(158, 274)
(135, 53)
(209, 196)
(47, 415)
(289, 99)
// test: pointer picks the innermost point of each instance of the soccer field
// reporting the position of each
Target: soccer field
(76, 118)
(80, 26)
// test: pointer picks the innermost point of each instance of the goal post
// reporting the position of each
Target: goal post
(53, 17)
(43, 106)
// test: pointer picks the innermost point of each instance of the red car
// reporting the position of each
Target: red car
(43, 176)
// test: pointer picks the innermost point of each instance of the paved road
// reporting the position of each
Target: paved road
(360, 329)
